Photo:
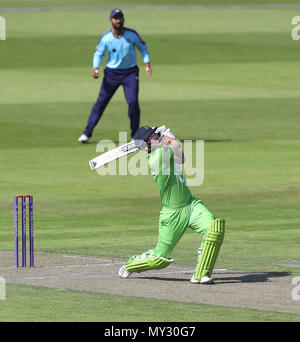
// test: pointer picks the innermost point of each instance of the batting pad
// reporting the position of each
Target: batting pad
(213, 241)
(152, 263)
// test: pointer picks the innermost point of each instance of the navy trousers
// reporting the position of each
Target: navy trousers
(128, 78)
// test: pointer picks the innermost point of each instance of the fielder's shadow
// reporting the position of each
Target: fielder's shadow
(229, 278)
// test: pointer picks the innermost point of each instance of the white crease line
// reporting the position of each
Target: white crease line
(60, 266)
(84, 265)
(32, 278)
(82, 257)
(288, 265)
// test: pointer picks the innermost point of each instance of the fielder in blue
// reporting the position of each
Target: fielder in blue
(121, 69)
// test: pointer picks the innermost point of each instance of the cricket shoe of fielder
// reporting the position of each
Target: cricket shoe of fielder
(83, 139)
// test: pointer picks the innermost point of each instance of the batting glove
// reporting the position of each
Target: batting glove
(169, 134)
(160, 130)
(163, 131)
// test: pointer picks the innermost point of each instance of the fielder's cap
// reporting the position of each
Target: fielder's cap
(116, 11)
(143, 133)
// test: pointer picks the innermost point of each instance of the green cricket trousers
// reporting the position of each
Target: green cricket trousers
(172, 225)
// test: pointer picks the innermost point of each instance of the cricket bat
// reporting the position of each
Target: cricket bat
(112, 155)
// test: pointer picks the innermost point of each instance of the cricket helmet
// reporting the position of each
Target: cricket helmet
(143, 133)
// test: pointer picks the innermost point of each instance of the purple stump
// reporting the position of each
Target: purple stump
(31, 231)
(23, 231)
(16, 200)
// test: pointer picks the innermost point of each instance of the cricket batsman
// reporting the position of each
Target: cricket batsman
(180, 209)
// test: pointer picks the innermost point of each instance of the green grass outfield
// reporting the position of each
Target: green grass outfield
(227, 76)
(31, 304)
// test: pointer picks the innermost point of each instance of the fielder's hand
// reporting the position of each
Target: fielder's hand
(95, 73)
(148, 70)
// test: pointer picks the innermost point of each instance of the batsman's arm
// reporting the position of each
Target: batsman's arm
(177, 149)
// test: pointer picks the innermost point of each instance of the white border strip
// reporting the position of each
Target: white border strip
(159, 7)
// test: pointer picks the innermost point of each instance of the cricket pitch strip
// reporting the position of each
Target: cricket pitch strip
(254, 290)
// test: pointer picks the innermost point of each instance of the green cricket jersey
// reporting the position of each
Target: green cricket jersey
(169, 177)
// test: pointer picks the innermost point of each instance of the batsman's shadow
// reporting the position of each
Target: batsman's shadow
(249, 277)
(227, 278)
(162, 278)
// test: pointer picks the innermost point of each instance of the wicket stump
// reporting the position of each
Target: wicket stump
(23, 220)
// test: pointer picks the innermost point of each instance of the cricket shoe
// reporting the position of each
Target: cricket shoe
(204, 280)
(83, 139)
(124, 273)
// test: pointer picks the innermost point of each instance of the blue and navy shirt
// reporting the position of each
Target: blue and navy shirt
(121, 51)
